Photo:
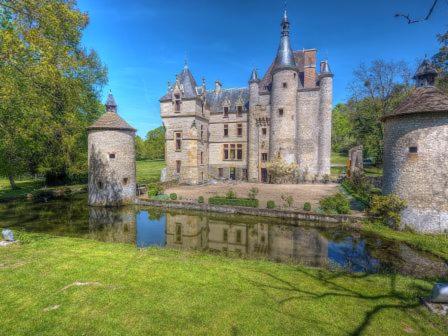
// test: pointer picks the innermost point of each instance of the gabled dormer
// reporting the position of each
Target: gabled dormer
(226, 107)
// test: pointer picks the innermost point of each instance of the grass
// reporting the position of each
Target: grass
(436, 244)
(339, 159)
(147, 172)
(70, 286)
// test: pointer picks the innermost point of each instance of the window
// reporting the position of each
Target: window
(264, 131)
(202, 132)
(240, 130)
(100, 185)
(232, 152)
(178, 232)
(239, 111)
(125, 181)
(280, 112)
(238, 236)
(244, 173)
(202, 176)
(178, 163)
(111, 155)
(226, 152)
(202, 157)
(264, 157)
(177, 103)
(285, 85)
(226, 112)
(413, 149)
(239, 152)
(225, 235)
(220, 172)
(178, 136)
(226, 130)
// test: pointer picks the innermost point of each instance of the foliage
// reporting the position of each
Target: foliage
(201, 199)
(337, 204)
(173, 196)
(160, 197)
(270, 205)
(360, 187)
(307, 206)
(342, 133)
(50, 89)
(154, 189)
(230, 194)
(153, 147)
(441, 61)
(279, 171)
(387, 209)
(253, 192)
(246, 202)
(288, 200)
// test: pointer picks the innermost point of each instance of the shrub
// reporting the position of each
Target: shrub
(386, 209)
(230, 194)
(253, 192)
(154, 190)
(246, 202)
(201, 199)
(360, 187)
(173, 196)
(160, 197)
(270, 205)
(307, 206)
(337, 204)
(287, 200)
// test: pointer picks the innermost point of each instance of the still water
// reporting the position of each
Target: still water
(236, 236)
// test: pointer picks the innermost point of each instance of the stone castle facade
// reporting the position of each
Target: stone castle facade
(415, 159)
(234, 133)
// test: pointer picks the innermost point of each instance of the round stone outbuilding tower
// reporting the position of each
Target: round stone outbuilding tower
(111, 150)
(415, 154)
(284, 101)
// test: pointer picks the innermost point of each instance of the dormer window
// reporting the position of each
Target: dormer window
(177, 103)
(239, 111)
(226, 112)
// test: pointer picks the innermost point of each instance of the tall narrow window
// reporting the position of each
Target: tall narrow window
(202, 157)
(177, 103)
(238, 236)
(280, 112)
(239, 111)
(264, 131)
(202, 132)
(232, 152)
(178, 136)
(226, 112)
(225, 235)
(178, 164)
(264, 157)
(220, 172)
(239, 152)
(226, 152)
(240, 130)
(178, 232)
(226, 130)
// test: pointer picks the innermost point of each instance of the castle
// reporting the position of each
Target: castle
(234, 133)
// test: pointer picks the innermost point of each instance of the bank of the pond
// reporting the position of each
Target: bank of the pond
(239, 210)
(71, 286)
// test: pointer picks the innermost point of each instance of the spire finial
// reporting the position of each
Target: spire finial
(111, 105)
(186, 60)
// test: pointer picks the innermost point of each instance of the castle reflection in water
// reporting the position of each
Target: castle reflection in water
(281, 243)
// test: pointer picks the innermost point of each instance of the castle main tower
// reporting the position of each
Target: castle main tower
(284, 100)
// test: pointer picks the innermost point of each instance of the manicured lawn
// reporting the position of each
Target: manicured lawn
(338, 159)
(69, 286)
(149, 171)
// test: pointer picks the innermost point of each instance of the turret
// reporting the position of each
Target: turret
(253, 88)
(253, 154)
(284, 100)
(325, 116)
(426, 74)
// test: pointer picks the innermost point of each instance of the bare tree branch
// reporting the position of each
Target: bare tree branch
(426, 18)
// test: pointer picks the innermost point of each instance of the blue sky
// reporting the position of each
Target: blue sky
(144, 42)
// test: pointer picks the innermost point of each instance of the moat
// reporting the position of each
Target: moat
(234, 236)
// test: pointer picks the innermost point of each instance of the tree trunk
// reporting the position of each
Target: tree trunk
(12, 182)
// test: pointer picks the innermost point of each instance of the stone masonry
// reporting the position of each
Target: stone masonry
(233, 133)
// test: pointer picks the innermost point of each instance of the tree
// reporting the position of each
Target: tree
(441, 61)
(342, 138)
(155, 144)
(411, 20)
(140, 148)
(41, 52)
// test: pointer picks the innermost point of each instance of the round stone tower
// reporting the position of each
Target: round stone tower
(111, 151)
(284, 100)
(415, 154)
(253, 153)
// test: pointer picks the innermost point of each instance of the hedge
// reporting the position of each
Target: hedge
(246, 202)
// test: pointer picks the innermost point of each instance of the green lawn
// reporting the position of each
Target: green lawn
(339, 159)
(149, 171)
(69, 286)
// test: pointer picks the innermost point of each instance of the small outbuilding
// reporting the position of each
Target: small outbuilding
(416, 154)
(111, 151)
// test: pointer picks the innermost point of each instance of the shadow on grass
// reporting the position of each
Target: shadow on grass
(24, 187)
(389, 298)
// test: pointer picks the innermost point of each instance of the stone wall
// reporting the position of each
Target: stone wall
(112, 176)
(325, 122)
(420, 178)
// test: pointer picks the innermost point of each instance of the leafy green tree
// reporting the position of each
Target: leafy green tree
(41, 51)
(140, 148)
(342, 138)
(155, 144)
(441, 61)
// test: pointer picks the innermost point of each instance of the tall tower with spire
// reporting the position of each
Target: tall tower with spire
(284, 100)
(111, 157)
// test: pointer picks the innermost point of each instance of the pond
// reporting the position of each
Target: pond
(236, 236)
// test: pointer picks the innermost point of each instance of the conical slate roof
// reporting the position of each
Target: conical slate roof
(111, 120)
(285, 55)
(425, 99)
(254, 76)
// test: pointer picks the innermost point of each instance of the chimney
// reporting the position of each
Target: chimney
(218, 86)
(310, 68)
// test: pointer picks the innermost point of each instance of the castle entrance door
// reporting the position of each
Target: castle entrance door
(264, 175)
(233, 173)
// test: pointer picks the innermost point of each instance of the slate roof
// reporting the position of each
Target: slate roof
(426, 99)
(111, 121)
(216, 100)
(188, 83)
(285, 56)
